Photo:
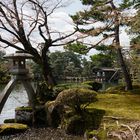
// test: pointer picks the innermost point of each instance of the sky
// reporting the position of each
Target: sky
(74, 7)
(61, 21)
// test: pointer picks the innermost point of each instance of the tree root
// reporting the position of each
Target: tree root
(130, 131)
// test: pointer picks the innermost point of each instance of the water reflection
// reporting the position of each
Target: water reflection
(18, 97)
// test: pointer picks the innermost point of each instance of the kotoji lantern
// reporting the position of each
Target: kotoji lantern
(20, 73)
(19, 62)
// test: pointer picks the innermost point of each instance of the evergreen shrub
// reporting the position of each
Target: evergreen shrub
(95, 85)
(76, 98)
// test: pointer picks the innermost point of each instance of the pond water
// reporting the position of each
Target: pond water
(18, 97)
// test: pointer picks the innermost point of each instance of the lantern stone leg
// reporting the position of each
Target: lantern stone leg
(30, 92)
(31, 97)
(6, 92)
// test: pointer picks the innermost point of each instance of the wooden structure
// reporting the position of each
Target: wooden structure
(106, 75)
(19, 73)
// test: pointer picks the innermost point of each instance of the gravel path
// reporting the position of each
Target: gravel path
(42, 134)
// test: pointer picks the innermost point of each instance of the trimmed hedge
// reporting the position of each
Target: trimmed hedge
(78, 125)
(94, 85)
(60, 87)
(77, 98)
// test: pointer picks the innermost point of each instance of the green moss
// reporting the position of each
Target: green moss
(9, 121)
(49, 103)
(124, 105)
(23, 108)
(99, 134)
(121, 90)
(106, 126)
(135, 91)
(60, 87)
(12, 128)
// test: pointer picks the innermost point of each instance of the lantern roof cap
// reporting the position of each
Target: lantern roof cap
(18, 55)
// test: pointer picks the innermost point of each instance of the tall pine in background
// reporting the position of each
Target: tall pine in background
(135, 25)
(103, 19)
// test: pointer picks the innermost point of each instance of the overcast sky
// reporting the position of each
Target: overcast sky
(74, 7)
(62, 21)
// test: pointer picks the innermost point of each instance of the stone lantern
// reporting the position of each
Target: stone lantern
(19, 63)
(19, 73)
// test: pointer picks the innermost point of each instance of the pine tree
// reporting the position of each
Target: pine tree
(104, 19)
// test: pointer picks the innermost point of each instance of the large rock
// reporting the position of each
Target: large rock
(24, 115)
(53, 113)
(12, 128)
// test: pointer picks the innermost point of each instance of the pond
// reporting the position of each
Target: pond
(18, 97)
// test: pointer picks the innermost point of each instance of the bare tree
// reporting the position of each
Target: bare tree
(25, 26)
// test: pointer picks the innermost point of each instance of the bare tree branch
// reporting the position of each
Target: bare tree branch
(55, 7)
(8, 30)
(8, 20)
(61, 44)
(64, 37)
(23, 26)
(98, 43)
(34, 23)
(11, 44)
(45, 24)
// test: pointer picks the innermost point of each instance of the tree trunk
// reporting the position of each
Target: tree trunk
(124, 70)
(121, 60)
(47, 73)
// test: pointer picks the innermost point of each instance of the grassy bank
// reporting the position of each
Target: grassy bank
(127, 106)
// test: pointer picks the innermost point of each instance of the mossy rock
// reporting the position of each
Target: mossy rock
(53, 113)
(24, 115)
(24, 108)
(9, 121)
(12, 128)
